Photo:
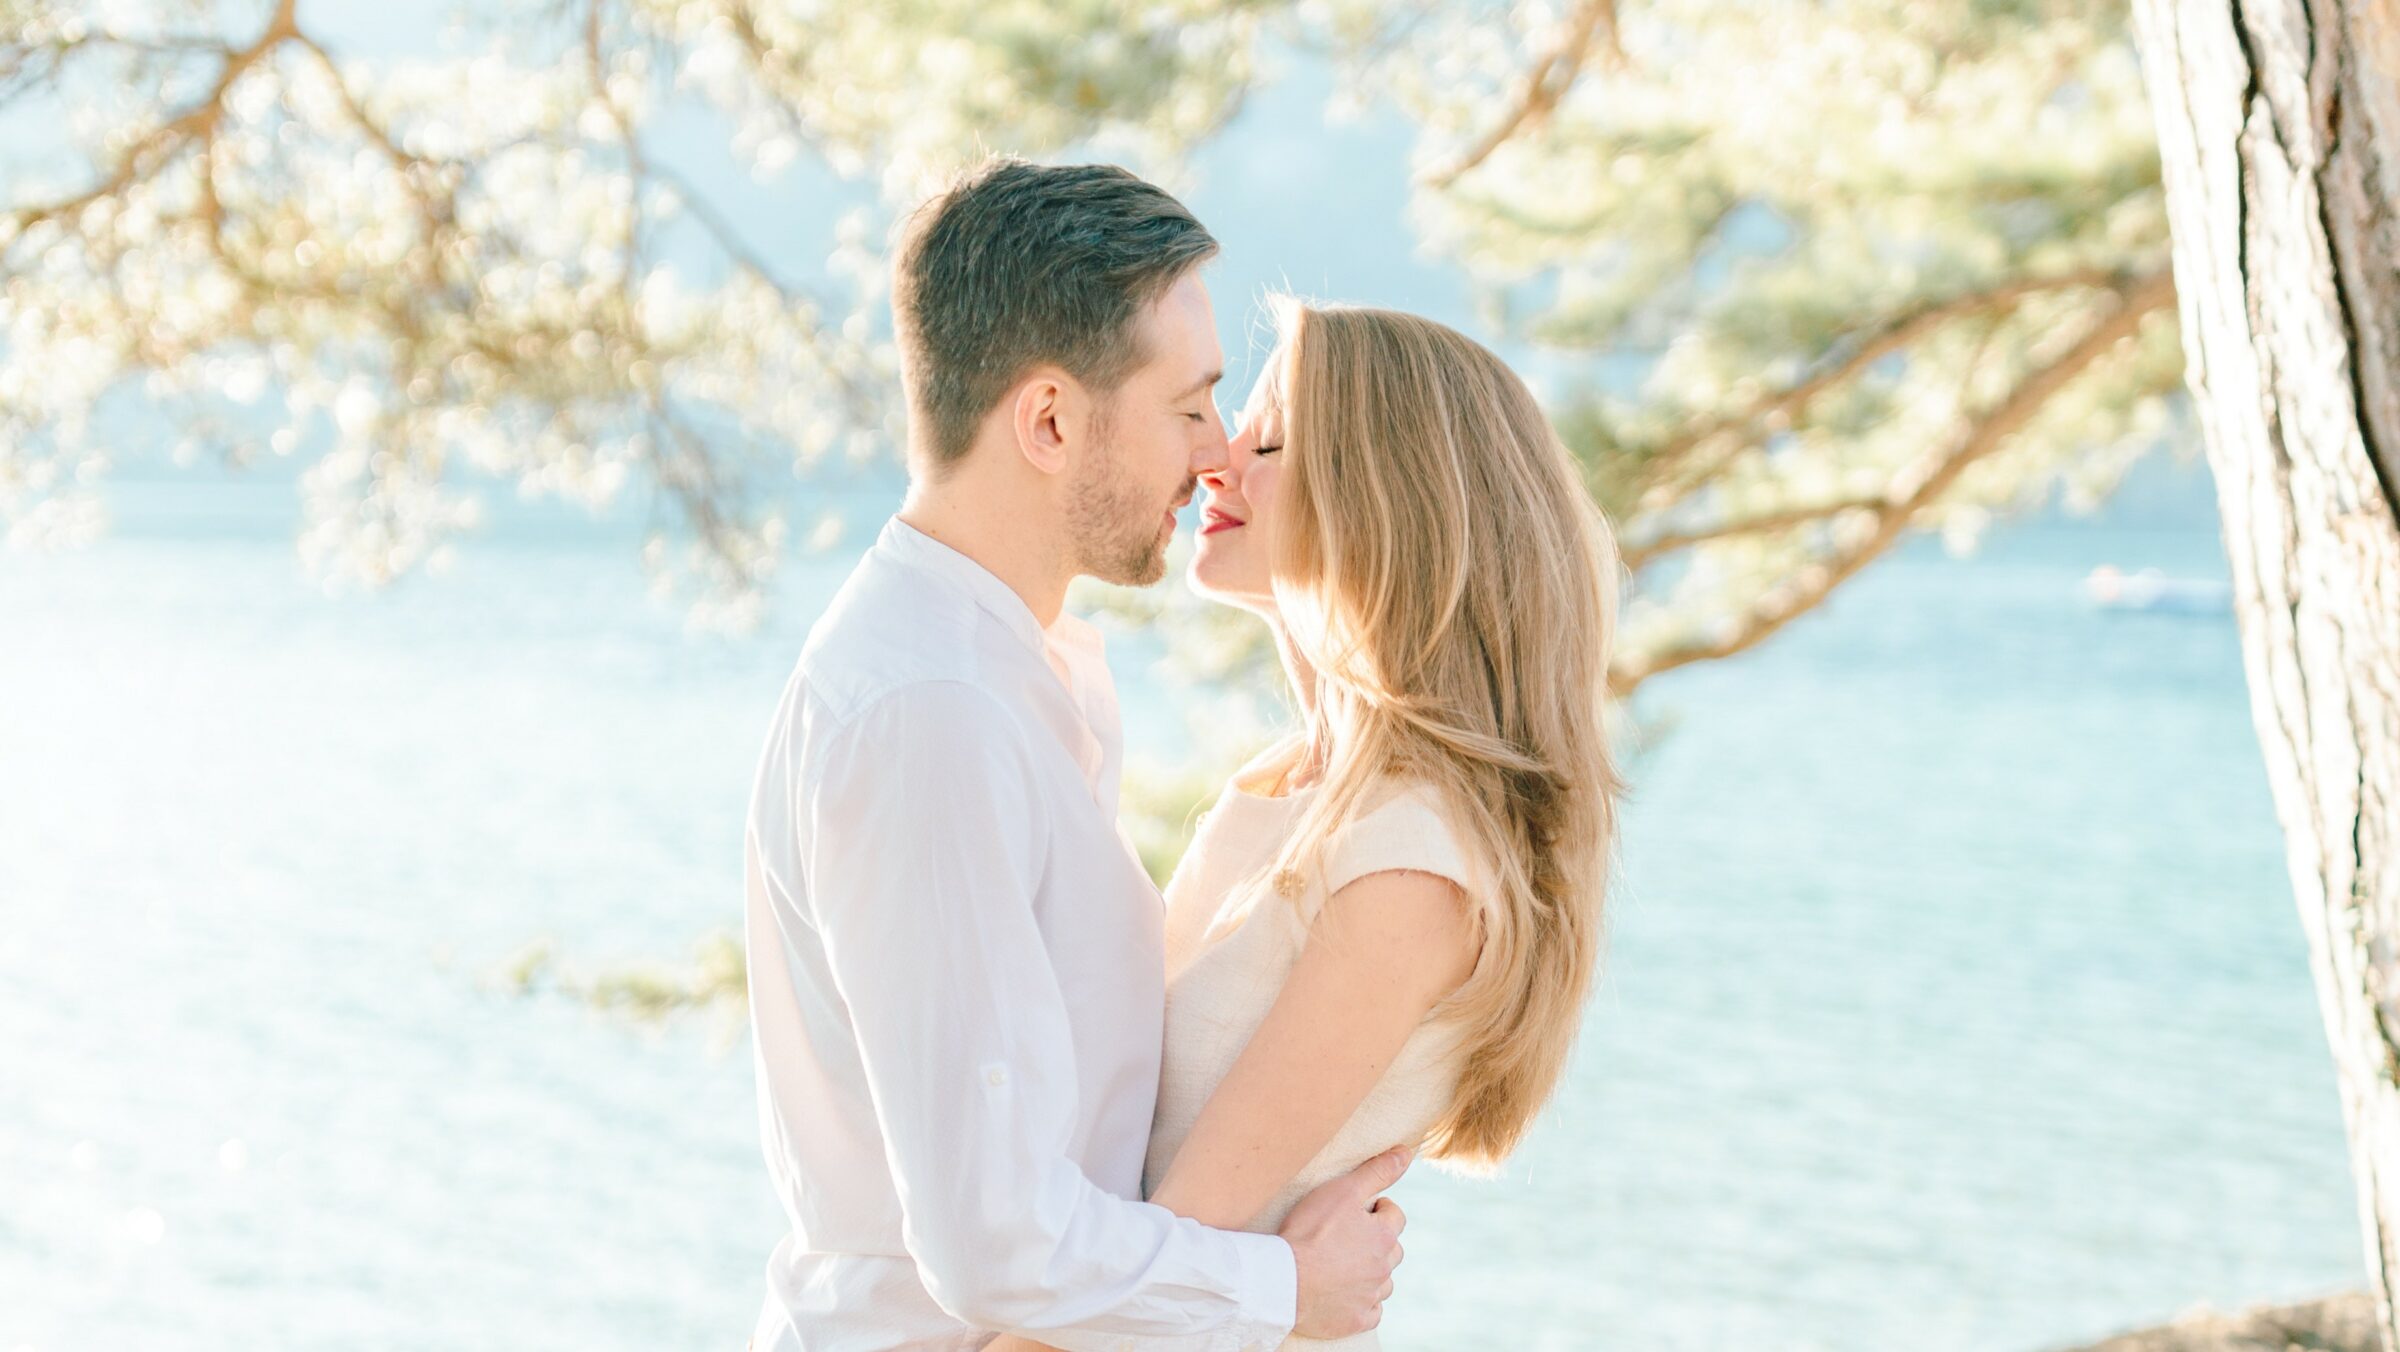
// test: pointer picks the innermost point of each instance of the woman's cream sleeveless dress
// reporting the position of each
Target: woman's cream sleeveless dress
(1224, 969)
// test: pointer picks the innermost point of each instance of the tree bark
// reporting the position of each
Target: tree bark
(2279, 139)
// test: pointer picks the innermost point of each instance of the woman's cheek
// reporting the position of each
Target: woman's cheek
(1259, 487)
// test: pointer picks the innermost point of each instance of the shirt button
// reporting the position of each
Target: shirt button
(998, 1076)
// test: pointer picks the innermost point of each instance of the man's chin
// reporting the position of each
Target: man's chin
(1148, 572)
(1132, 570)
(1137, 564)
(1153, 565)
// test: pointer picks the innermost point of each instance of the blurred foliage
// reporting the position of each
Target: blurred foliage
(1806, 277)
(1800, 279)
(713, 983)
(1882, 265)
(456, 263)
(1160, 811)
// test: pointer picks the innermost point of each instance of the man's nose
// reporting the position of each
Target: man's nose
(1214, 453)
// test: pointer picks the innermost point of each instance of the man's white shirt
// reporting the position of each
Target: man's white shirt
(957, 993)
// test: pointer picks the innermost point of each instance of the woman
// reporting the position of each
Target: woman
(1384, 931)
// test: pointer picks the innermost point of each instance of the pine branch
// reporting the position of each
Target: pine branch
(1734, 433)
(1545, 84)
(1989, 431)
(1639, 556)
(196, 123)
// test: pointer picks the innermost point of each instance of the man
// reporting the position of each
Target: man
(956, 964)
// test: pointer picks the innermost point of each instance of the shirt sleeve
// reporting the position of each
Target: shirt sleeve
(923, 832)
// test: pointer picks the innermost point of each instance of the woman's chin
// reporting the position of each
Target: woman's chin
(1202, 583)
(1215, 570)
(1210, 585)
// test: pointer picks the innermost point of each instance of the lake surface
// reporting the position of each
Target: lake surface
(1955, 1000)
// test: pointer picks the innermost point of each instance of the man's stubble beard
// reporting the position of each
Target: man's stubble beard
(1116, 535)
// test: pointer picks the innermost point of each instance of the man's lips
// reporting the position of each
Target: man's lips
(1182, 500)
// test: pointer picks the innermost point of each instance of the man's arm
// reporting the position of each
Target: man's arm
(922, 846)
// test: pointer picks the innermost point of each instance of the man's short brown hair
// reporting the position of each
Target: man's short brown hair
(1016, 264)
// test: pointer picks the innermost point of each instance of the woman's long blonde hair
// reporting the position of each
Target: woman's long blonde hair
(1439, 564)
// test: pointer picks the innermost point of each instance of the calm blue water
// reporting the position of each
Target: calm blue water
(1956, 995)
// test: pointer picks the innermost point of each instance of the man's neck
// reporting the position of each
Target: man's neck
(985, 529)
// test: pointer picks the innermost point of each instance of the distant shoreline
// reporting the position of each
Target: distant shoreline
(2343, 1322)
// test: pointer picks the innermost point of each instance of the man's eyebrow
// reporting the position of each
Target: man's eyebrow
(1205, 382)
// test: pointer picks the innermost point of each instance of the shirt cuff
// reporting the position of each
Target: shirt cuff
(1270, 1291)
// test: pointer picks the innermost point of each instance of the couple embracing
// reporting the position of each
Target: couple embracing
(1009, 1099)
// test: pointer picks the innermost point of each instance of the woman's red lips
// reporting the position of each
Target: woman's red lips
(1214, 520)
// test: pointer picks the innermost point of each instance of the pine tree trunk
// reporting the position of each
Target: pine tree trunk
(2279, 137)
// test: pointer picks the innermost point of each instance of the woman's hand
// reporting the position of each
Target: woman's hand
(1009, 1342)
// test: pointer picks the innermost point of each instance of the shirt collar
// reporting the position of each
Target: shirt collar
(1071, 649)
(906, 544)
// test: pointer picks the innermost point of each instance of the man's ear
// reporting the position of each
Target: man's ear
(1044, 416)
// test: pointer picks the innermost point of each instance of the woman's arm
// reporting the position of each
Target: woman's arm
(1386, 949)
